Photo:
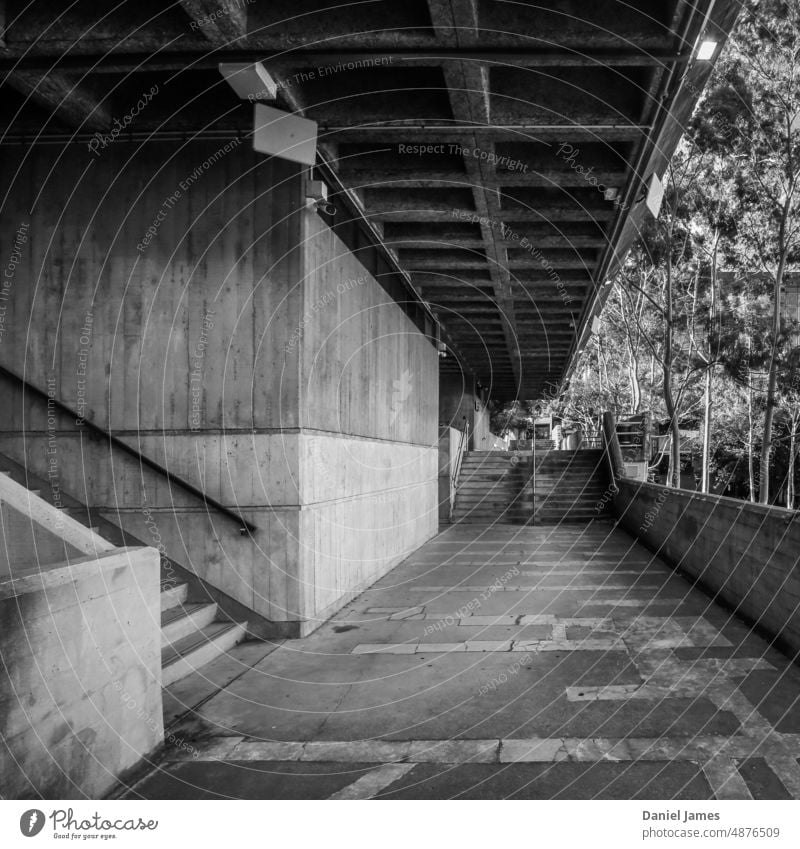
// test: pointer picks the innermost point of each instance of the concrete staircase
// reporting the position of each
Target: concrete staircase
(494, 486)
(193, 633)
(570, 486)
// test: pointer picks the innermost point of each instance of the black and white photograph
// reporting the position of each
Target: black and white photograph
(401, 402)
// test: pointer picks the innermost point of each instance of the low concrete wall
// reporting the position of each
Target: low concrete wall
(744, 553)
(80, 687)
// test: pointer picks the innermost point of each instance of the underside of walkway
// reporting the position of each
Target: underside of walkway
(498, 662)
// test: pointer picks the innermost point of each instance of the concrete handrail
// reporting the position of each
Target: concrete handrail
(52, 519)
(36, 579)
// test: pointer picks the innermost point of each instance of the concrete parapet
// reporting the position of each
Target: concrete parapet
(744, 554)
(81, 682)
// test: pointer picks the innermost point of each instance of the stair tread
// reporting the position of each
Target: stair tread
(185, 646)
(172, 614)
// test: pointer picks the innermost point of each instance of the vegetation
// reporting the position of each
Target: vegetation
(696, 327)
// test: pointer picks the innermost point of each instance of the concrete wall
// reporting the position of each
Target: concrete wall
(458, 397)
(173, 340)
(80, 691)
(176, 294)
(746, 553)
(369, 442)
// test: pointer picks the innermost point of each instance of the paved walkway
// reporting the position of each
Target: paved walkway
(496, 662)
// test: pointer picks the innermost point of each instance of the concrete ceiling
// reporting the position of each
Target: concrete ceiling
(477, 136)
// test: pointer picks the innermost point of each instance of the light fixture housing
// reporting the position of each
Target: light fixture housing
(706, 50)
(655, 194)
(284, 135)
(250, 80)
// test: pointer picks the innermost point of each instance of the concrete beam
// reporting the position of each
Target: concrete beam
(69, 102)
(530, 132)
(424, 178)
(222, 22)
(418, 53)
(402, 210)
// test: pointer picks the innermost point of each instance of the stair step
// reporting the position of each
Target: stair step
(568, 493)
(172, 596)
(565, 514)
(180, 621)
(198, 649)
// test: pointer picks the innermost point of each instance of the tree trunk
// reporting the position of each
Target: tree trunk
(772, 384)
(751, 471)
(633, 376)
(705, 485)
(674, 477)
(790, 473)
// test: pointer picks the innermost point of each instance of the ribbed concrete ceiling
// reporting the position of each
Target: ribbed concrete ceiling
(499, 147)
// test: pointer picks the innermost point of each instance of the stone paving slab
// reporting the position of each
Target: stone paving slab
(506, 662)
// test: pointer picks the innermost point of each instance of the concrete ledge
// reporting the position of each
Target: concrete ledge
(35, 579)
(744, 554)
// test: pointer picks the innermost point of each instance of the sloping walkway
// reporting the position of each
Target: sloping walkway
(501, 661)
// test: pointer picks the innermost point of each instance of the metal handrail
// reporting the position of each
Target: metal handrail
(533, 478)
(454, 472)
(244, 525)
(611, 447)
(456, 469)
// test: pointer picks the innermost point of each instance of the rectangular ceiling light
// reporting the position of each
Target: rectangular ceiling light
(250, 80)
(284, 135)
(655, 194)
(706, 50)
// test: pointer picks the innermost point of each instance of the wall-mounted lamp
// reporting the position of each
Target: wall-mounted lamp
(317, 196)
